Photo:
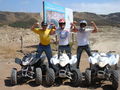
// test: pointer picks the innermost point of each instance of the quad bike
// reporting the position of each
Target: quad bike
(31, 68)
(65, 68)
(104, 66)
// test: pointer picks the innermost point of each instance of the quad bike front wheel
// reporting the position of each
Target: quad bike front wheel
(115, 79)
(38, 77)
(76, 77)
(14, 76)
(50, 77)
(88, 77)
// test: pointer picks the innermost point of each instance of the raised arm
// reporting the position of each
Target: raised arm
(94, 26)
(35, 28)
(53, 29)
(73, 27)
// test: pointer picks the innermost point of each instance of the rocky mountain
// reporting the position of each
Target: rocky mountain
(25, 20)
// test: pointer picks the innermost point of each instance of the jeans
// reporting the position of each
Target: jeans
(65, 48)
(47, 50)
(79, 52)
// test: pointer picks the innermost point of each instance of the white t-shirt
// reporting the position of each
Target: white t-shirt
(83, 36)
(63, 36)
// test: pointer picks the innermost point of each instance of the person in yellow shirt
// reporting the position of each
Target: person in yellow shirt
(44, 35)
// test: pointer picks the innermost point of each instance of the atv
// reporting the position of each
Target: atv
(65, 68)
(31, 68)
(104, 66)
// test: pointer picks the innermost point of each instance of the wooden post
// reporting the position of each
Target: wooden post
(21, 38)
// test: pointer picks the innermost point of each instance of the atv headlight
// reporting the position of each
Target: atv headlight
(63, 63)
(102, 64)
(63, 60)
(27, 61)
(102, 61)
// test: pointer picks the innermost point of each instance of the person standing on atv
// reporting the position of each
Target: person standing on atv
(44, 35)
(63, 37)
(83, 34)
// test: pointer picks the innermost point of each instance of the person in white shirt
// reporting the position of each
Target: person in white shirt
(83, 34)
(63, 37)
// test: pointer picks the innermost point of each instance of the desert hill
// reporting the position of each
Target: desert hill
(22, 19)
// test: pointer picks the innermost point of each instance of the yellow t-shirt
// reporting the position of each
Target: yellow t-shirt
(44, 35)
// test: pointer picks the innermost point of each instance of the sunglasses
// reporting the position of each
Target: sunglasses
(82, 24)
(44, 25)
(61, 23)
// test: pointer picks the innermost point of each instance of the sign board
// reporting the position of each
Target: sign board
(52, 13)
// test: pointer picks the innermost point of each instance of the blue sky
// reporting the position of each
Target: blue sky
(95, 6)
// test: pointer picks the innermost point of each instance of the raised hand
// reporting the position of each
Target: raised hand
(52, 26)
(93, 23)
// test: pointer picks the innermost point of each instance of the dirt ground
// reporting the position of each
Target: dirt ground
(107, 39)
